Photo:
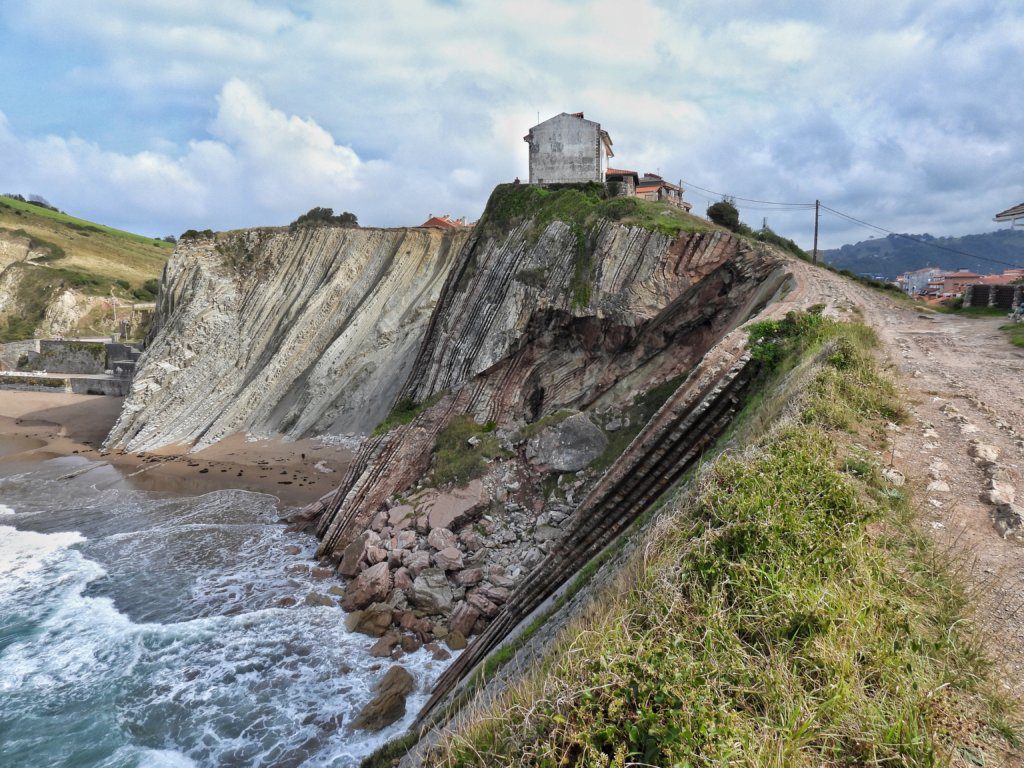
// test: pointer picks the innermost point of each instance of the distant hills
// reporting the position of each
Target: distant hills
(892, 255)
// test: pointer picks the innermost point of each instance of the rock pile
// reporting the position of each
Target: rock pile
(438, 565)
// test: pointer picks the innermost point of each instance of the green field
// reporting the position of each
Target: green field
(89, 258)
(88, 247)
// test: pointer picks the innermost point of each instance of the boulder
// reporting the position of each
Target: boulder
(388, 704)
(437, 652)
(370, 586)
(451, 509)
(1009, 520)
(401, 517)
(354, 552)
(471, 540)
(497, 595)
(569, 446)
(417, 562)
(373, 621)
(469, 577)
(404, 540)
(383, 647)
(431, 592)
(315, 598)
(463, 618)
(403, 579)
(396, 557)
(999, 492)
(482, 604)
(984, 453)
(379, 521)
(376, 555)
(448, 559)
(456, 640)
(442, 538)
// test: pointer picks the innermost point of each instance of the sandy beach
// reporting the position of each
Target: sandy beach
(37, 426)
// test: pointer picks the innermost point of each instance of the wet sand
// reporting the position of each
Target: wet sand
(37, 426)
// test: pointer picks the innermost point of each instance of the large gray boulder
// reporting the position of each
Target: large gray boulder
(569, 446)
(431, 592)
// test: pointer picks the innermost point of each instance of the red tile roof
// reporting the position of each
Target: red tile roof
(442, 222)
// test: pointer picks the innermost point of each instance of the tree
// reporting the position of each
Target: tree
(724, 214)
(324, 216)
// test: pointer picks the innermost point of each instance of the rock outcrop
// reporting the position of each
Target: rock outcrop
(541, 337)
(272, 331)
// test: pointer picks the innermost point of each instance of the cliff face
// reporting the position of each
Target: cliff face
(270, 331)
(552, 345)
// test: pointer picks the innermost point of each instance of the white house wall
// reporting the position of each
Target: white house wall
(566, 150)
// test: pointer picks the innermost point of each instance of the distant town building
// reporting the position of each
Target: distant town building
(568, 149)
(444, 222)
(915, 282)
(1012, 215)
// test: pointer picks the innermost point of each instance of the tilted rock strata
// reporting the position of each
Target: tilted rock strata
(271, 331)
(512, 351)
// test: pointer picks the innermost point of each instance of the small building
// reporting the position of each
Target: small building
(653, 187)
(568, 149)
(915, 282)
(444, 222)
(627, 180)
(950, 284)
(1012, 215)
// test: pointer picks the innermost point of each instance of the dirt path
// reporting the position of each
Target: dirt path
(964, 384)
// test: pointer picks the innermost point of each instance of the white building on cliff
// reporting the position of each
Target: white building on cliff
(568, 149)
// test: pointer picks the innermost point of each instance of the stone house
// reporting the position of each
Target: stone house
(568, 149)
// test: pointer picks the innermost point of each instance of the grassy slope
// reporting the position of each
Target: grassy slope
(1016, 333)
(90, 248)
(87, 257)
(784, 612)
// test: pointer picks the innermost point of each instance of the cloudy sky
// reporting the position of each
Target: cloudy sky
(162, 115)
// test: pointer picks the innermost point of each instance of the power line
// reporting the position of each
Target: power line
(919, 240)
(771, 205)
(746, 199)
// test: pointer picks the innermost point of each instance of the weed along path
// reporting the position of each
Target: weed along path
(962, 451)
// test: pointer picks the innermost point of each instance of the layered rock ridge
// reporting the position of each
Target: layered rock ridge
(271, 331)
(555, 343)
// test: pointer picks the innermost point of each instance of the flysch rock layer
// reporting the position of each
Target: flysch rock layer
(514, 341)
(270, 331)
(507, 351)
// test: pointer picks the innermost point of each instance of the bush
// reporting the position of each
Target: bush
(196, 234)
(725, 214)
(316, 217)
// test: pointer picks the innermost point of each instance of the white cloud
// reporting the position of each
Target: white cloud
(260, 162)
(904, 112)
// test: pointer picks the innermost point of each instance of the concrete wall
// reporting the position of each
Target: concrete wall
(1007, 297)
(565, 150)
(68, 356)
(13, 351)
(116, 387)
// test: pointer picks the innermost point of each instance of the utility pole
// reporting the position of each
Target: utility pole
(817, 214)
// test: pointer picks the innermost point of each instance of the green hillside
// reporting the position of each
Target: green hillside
(890, 256)
(68, 253)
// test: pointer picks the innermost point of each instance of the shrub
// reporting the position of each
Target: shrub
(724, 214)
(316, 217)
(196, 234)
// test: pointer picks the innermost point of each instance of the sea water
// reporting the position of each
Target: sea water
(142, 630)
